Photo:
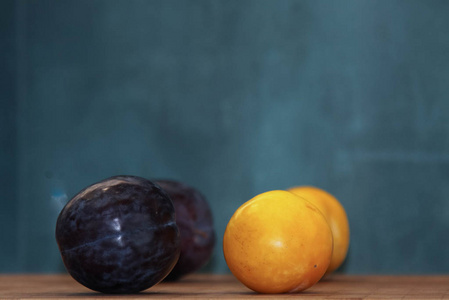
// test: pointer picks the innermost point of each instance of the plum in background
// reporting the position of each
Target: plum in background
(119, 235)
(195, 223)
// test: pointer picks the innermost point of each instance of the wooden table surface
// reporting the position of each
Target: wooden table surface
(205, 286)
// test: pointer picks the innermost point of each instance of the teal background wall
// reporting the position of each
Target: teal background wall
(234, 98)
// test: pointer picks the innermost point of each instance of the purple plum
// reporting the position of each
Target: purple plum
(119, 235)
(195, 223)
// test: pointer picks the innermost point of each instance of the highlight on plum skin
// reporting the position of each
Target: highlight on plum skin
(195, 222)
(119, 235)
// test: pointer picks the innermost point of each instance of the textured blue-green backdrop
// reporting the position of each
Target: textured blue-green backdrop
(234, 98)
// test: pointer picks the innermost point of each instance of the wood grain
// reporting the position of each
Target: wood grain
(205, 286)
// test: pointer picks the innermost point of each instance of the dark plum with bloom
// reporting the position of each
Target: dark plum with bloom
(195, 223)
(119, 235)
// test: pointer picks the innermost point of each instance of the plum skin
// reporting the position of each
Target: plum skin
(119, 235)
(195, 223)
